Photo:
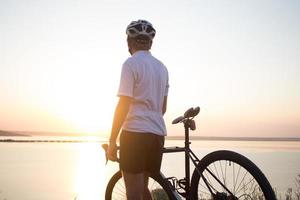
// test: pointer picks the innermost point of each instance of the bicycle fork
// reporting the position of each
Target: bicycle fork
(196, 161)
(190, 155)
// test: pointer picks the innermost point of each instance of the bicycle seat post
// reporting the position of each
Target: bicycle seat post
(187, 160)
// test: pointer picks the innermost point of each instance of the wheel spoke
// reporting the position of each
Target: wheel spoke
(221, 170)
(216, 171)
(207, 175)
(230, 176)
(242, 180)
(233, 181)
(119, 192)
(245, 185)
(225, 174)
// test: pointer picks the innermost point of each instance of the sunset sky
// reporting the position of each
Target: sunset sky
(60, 63)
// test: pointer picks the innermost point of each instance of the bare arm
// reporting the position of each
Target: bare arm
(121, 111)
(120, 114)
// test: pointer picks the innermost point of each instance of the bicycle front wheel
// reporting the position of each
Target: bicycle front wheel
(115, 189)
(229, 175)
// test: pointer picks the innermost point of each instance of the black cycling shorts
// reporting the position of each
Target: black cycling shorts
(140, 152)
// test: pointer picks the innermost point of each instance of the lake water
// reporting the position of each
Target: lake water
(77, 170)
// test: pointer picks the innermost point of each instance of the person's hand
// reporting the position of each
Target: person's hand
(112, 151)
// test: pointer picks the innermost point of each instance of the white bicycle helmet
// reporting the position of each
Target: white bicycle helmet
(140, 27)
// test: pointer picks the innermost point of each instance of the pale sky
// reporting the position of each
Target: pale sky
(60, 63)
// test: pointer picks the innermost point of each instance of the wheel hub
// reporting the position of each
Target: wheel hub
(224, 196)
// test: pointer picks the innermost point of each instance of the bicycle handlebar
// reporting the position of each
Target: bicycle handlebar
(186, 119)
(105, 147)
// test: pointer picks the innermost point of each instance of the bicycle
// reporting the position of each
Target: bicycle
(220, 175)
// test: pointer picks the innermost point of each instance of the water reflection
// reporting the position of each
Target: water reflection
(91, 172)
(72, 171)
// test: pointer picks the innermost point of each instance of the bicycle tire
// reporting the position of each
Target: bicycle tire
(115, 189)
(256, 188)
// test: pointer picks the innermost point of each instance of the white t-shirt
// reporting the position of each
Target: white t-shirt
(145, 79)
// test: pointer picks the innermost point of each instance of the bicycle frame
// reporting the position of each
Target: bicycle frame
(189, 154)
(173, 186)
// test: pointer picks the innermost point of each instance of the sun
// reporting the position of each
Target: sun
(85, 103)
(88, 116)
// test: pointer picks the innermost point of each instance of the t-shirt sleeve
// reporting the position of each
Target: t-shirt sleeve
(126, 81)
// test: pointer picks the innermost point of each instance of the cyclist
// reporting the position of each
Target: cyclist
(139, 113)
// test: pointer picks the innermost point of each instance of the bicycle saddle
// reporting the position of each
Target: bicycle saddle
(190, 113)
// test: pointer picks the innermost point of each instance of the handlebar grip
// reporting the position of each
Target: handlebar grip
(105, 147)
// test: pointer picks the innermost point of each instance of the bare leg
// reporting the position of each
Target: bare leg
(147, 193)
(134, 184)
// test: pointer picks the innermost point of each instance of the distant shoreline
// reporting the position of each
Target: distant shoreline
(14, 134)
(48, 141)
(216, 138)
(204, 138)
(192, 138)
